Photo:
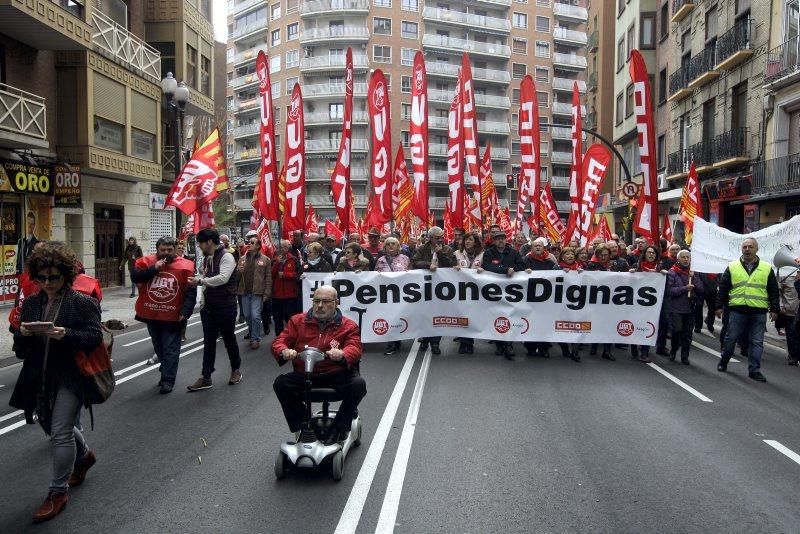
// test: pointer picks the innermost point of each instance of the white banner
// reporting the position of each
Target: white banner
(713, 248)
(588, 307)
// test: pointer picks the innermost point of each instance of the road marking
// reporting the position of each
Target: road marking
(148, 338)
(391, 499)
(134, 366)
(16, 425)
(351, 515)
(711, 351)
(681, 383)
(786, 451)
(11, 415)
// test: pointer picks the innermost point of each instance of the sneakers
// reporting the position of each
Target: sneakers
(165, 387)
(53, 504)
(236, 377)
(758, 377)
(154, 360)
(792, 362)
(608, 356)
(254, 345)
(722, 366)
(644, 358)
(575, 357)
(200, 384)
(82, 466)
(391, 348)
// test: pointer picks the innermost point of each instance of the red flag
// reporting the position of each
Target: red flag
(574, 224)
(282, 187)
(378, 103)
(431, 221)
(340, 179)
(332, 230)
(549, 217)
(488, 192)
(470, 129)
(204, 217)
(254, 219)
(646, 223)
(691, 205)
(295, 201)
(666, 230)
(595, 163)
(419, 136)
(267, 186)
(202, 179)
(265, 235)
(402, 191)
(448, 223)
(312, 224)
(455, 159)
(474, 214)
(529, 139)
(505, 223)
(600, 231)
(188, 228)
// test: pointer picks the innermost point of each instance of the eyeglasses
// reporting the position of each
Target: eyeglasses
(253, 242)
(322, 301)
(52, 278)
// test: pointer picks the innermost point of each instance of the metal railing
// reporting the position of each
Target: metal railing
(249, 55)
(322, 173)
(676, 163)
(324, 6)
(559, 182)
(571, 60)
(247, 129)
(702, 63)
(573, 36)
(325, 62)
(118, 44)
(22, 112)
(565, 108)
(247, 4)
(332, 145)
(335, 32)
(590, 122)
(471, 19)
(783, 60)
(450, 69)
(332, 89)
(323, 117)
(250, 153)
(593, 41)
(438, 95)
(241, 81)
(591, 82)
(467, 45)
(565, 84)
(254, 26)
(561, 157)
(777, 174)
(494, 127)
(568, 11)
(735, 40)
(731, 144)
(678, 4)
(562, 206)
(678, 80)
(561, 132)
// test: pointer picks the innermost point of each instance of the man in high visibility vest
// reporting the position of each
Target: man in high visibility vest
(749, 289)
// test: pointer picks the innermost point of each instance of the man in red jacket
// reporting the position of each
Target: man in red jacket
(325, 328)
(286, 271)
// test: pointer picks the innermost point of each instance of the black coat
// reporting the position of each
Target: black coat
(500, 262)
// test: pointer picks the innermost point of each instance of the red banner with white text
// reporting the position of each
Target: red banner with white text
(549, 217)
(419, 136)
(455, 159)
(340, 179)
(646, 222)
(470, 123)
(267, 186)
(295, 199)
(529, 140)
(576, 179)
(595, 164)
(378, 104)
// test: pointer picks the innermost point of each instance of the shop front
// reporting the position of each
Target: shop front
(727, 199)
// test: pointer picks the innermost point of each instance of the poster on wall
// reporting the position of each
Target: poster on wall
(67, 187)
(21, 177)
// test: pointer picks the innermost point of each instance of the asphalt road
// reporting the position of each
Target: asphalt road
(451, 443)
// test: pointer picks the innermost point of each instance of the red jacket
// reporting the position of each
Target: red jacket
(303, 331)
(287, 287)
(27, 288)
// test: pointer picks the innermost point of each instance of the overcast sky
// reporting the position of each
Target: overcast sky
(220, 15)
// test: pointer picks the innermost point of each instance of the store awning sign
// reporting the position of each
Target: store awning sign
(21, 177)
(67, 186)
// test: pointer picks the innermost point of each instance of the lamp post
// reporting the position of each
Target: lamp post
(176, 95)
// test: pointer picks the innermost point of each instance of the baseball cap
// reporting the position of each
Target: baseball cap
(498, 233)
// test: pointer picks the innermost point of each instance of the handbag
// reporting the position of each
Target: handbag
(97, 377)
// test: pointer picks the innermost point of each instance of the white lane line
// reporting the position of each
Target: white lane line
(711, 351)
(9, 428)
(134, 366)
(148, 338)
(680, 382)
(391, 499)
(351, 515)
(11, 415)
(786, 451)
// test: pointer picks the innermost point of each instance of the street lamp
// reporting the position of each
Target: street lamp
(176, 95)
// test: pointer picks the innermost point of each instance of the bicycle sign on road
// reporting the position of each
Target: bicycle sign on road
(630, 189)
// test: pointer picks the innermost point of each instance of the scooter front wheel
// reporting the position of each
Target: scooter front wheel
(281, 465)
(337, 466)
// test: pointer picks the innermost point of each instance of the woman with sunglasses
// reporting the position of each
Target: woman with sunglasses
(49, 383)
(316, 260)
(352, 260)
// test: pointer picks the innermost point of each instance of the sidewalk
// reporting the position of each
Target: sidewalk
(116, 304)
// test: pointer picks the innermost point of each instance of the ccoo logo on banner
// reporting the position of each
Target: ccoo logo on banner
(588, 307)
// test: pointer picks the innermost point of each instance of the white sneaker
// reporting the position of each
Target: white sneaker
(154, 360)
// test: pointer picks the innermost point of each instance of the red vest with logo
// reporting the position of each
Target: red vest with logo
(161, 298)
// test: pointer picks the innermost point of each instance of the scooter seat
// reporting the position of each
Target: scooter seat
(325, 395)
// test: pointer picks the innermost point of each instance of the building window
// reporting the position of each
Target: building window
(382, 3)
(277, 142)
(543, 124)
(544, 148)
(542, 3)
(409, 30)
(410, 5)
(407, 56)
(662, 86)
(631, 41)
(664, 21)
(292, 31)
(542, 24)
(519, 46)
(191, 66)
(205, 78)
(381, 26)
(336, 111)
(520, 20)
(629, 101)
(276, 114)
(620, 7)
(290, 83)
(274, 64)
(405, 111)
(620, 54)
(515, 96)
(647, 37)
(543, 98)
(518, 70)
(542, 75)
(542, 49)
(382, 54)
(292, 6)
(275, 11)
(388, 86)
(275, 89)
(110, 135)
(405, 138)
(292, 59)
(405, 84)
(275, 37)
(515, 151)
(143, 144)
(618, 111)
(515, 121)
(662, 149)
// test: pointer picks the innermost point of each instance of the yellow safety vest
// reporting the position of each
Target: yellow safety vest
(749, 289)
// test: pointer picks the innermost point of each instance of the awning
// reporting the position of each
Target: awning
(672, 194)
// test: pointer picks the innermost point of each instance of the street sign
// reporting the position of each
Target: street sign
(630, 189)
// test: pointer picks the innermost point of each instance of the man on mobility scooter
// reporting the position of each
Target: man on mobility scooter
(325, 328)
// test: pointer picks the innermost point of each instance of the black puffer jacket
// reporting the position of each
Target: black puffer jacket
(500, 262)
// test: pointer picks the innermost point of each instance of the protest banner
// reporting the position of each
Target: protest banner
(714, 247)
(587, 307)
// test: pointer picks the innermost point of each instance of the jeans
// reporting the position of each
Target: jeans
(252, 304)
(682, 330)
(290, 388)
(167, 344)
(792, 337)
(754, 324)
(743, 341)
(710, 300)
(216, 321)
(66, 440)
(283, 310)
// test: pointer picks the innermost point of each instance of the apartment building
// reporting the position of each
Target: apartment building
(716, 85)
(307, 40)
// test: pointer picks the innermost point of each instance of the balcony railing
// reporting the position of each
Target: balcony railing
(22, 113)
(323, 117)
(561, 157)
(569, 60)
(335, 33)
(460, 45)
(570, 12)
(591, 82)
(332, 145)
(450, 69)
(734, 46)
(565, 108)
(247, 129)
(438, 95)
(332, 62)
(778, 174)
(590, 122)
(701, 68)
(567, 36)
(565, 84)
(679, 84)
(494, 127)
(247, 4)
(241, 81)
(468, 19)
(327, 6)
(783, 62)
(559, 182)
(323, 173)
(250, 153)
(593, 42)
(332, 89)
(249, 55)
(730, 148)
(118, 44)
(251, 27)
(562, 206)
(681, 8)
(562, 132)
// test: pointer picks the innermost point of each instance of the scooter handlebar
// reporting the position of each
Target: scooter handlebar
(310, 357)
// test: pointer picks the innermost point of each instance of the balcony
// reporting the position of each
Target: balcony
(247, 130)
(119, 45)
(562, 206)
(681, 8)
(565, 108)
(327, 90)
(46, 24)
(778, 175)
(324, 173)
(565, 84)
(23, 118)
(323, 117)
(734, 46)
(439, 150)
(730, 148)
(247, 155)
(459, 46)
(783, 65)
(332, 63)
(335, 33)
(590, 122)
(322, 7)
(257, 26)
(469, 20)
(569, 61)
(489, 101)
(566, 37)
(244, 81)
(559, 182)
(434, 68)
(701, 68)
(679, 85)
(591, 82)
(241, 7)
(325, 201)
(246, 105)
(701, 154)
(332, 146)
(570, 13)
(494, 127)
(564, 133)
(594, 42)
(249, 55)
